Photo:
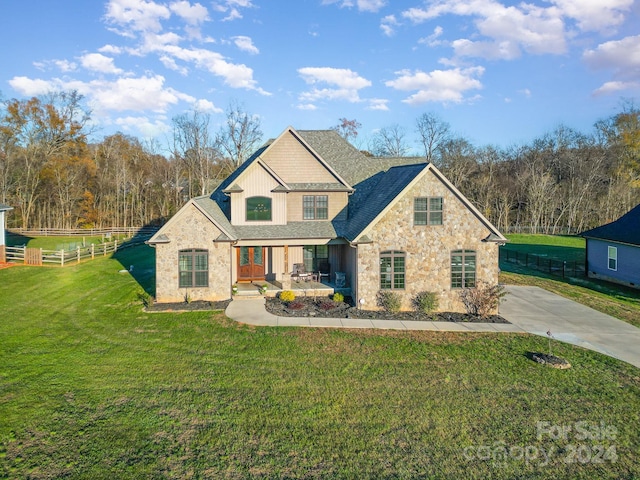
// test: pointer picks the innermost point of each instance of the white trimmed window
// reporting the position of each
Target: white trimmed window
(427, 211)
(315, 207)
(193, 268)
(612, 255)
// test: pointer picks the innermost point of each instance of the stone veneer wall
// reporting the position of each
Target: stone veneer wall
(427, 248)
(191, 229)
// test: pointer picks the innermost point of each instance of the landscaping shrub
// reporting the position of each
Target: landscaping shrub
(425, 302)
(327, 305)
(483, 299)
(389, 301)
(338, 297)
(287, 296)
(296, 305)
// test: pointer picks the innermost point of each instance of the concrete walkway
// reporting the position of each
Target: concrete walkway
(251, 310)
(529, 309)
(538, 311)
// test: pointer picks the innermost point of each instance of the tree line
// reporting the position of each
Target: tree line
(55, 177)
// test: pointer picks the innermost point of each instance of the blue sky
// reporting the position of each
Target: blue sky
(499, 72)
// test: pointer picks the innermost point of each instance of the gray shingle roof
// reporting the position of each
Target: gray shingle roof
(4, 207)
(311, 229)
(374, 194)
(349, 162)
(624, 230)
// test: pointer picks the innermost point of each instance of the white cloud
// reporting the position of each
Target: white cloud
(204, 105)
(149, 128)
(234, 75)
(307, 106)
(621, 56)
(136, 15)
(347, 84)
(112, 49)
(341, 77)
(96, 62)
(245, 44)
(362, 5)
(437, 86)
(192, 14)
(388, 24)
(432, 40)
(32, 87)
(614, 87)
(232, 8)
(595, 15)
(378, 104)
(508, 30)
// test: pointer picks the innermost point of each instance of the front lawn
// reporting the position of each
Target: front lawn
(93, 387)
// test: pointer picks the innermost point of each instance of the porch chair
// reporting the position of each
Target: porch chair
(324, 270)
(299, 274)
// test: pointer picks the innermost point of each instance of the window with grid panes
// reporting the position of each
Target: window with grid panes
(315, 207)
(463, 269)
(427, 211)
(392, 270)
(193, 268)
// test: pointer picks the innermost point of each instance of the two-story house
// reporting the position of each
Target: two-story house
(309, 197)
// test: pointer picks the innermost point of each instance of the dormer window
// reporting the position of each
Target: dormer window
(258, 209)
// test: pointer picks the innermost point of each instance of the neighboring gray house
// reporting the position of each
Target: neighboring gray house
(613, 250)
(3, 224)
(310, 198)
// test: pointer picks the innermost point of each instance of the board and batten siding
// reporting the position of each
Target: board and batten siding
(628, 264)
(258, 183)
(294, 163)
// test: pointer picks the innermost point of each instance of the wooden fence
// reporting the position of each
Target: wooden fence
(40, 256)
(88, 232)
(553, 266)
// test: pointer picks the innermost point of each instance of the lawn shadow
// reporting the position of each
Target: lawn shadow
(139, 260)
(17, 239)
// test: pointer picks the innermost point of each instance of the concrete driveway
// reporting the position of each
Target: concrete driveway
(537, 311)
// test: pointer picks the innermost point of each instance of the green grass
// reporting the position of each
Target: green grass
(558, 247)
(93, 387)
(615, 300)
(57, 242)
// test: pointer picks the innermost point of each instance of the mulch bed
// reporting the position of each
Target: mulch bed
(549, 360)
(323, 307)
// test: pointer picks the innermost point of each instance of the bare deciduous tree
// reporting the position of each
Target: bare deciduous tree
(433, 132)
(240, 136)
(390, 142)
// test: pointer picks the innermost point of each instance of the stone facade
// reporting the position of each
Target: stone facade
(192, 229)
(427, 247)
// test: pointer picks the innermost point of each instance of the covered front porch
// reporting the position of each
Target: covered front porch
(301, 289)
(321, 265)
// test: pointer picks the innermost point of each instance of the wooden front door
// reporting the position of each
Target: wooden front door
(250, 264)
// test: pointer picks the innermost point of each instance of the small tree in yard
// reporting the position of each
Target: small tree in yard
(483, 299)
(425, 302)
(390, 301)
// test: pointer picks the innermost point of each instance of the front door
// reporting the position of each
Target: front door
(250, 264)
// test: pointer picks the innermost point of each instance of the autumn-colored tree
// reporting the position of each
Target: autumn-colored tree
(347, 129)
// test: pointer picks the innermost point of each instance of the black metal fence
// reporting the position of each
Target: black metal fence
(553, 266)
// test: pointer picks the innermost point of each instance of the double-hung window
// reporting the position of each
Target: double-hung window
(427, 211)
(463, 269)
(315, 207)
(392, 270)
(612, 257)
(193, 268)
